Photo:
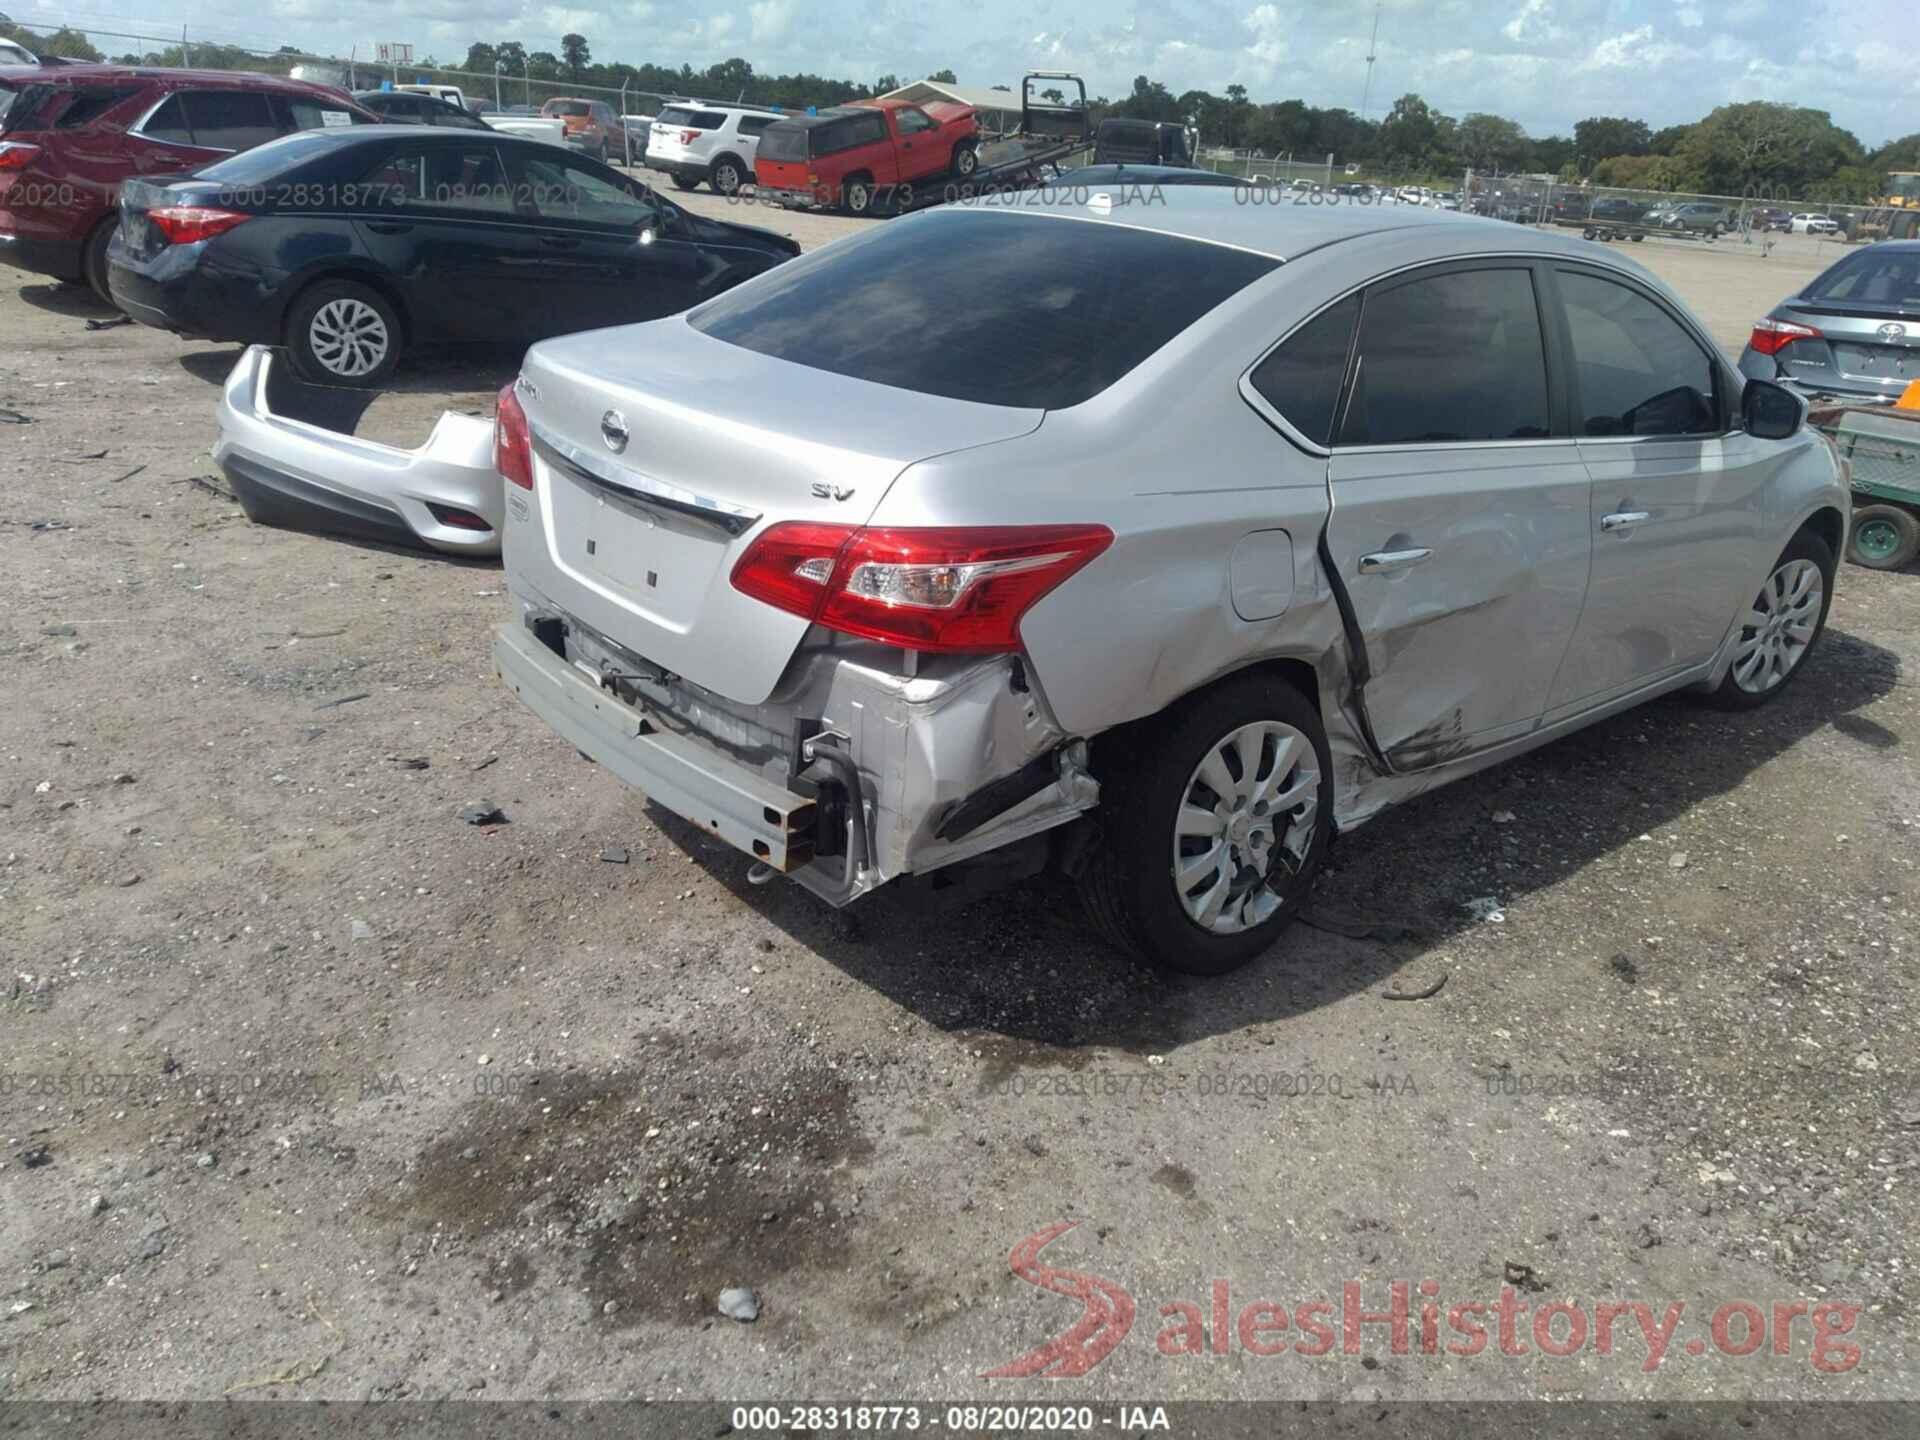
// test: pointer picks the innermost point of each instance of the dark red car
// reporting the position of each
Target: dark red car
(68, 137)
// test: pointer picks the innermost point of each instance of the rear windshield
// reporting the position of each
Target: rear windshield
(1874, 276)
(692, 119)
(567, 107)
(1054, 311)
(268, 161)
(784, 142)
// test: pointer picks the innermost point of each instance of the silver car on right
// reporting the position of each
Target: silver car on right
(1152, 542)
(1853, 332)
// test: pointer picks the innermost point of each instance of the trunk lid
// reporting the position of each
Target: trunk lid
(640, 542)
(1861, 337)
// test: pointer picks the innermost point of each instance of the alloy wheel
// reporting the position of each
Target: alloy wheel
(348, 337)
(1780, 627)
(1245, 825)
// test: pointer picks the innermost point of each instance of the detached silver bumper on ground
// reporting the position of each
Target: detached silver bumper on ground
(288, 470)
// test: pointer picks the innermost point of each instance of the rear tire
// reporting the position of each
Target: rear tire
(685, 182)
(1245, 877)
(1790, 620)
(857, 196)
(340, 332)
(93, 258)
(1884, 537)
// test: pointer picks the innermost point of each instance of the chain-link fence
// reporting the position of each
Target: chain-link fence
(1262, 168)
(1622, 212)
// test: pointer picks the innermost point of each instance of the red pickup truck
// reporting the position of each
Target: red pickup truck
(866, 156)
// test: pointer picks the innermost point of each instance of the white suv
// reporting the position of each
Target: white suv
(691, 142)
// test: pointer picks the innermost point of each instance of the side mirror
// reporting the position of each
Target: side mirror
(1769, 411)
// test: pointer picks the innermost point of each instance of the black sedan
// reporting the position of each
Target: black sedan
(404, 107)
(349, 245)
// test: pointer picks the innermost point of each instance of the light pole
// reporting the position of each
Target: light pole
(498, 67)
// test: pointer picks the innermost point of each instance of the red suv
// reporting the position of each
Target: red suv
(68, 137)
(591, 125)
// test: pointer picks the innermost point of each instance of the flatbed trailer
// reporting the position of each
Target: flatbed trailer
(1881, 445)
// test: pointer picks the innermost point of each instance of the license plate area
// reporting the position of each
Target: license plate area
(1876, 362)
(656, 563)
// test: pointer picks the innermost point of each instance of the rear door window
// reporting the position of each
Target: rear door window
(1639, 372)
(454, 179)
(1056, 311)
(169, 123)
(1302, 378)
(229, 119)
(1451, 358)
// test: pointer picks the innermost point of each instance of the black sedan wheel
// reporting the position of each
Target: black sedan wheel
(343, 333)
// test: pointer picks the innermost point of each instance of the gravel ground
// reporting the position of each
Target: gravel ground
(314, 1090)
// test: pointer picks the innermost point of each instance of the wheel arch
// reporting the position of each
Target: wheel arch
(373, 280)
(1830, 526)
(739, 163)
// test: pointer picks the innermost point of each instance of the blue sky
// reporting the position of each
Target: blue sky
(1546, 63)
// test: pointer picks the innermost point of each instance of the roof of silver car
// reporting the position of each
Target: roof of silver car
(1276, 224)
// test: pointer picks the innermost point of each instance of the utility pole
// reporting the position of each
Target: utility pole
(1373, 45)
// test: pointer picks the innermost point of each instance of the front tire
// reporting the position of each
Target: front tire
(344, 333)
(1215, 820)
(1780, 627)
(726, 178)
(1884, 537)
(685, 182)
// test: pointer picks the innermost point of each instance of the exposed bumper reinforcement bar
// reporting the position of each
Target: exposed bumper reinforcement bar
(693, 780)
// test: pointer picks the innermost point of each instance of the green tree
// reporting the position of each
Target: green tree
(1410, 134)
(576, 54)
(1492, 142)
(886, 83)
(480, 58)
(1760, 147)
(1602, 136)
(944, 77)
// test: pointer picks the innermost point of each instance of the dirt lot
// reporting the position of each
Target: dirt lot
(311, 1089)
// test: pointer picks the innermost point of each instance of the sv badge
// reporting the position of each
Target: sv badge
(823, 491)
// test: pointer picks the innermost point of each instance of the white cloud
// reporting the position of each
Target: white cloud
(1269, 47)
(771, 20)
(1690, 16)
(1532, 22)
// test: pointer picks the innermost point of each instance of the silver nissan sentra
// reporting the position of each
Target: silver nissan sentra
(1151, 541)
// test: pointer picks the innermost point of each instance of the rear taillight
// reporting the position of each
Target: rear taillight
(1771, 336)
(512, 441)
(16, 154)
(184, 224)
(687, 137)
(921, 589)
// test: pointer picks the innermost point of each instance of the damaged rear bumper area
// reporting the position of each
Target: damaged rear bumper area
(848, 777)
(288, 449)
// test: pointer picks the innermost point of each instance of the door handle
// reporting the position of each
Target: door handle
(1624, 520)
(386, 227)
(1382, 561)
